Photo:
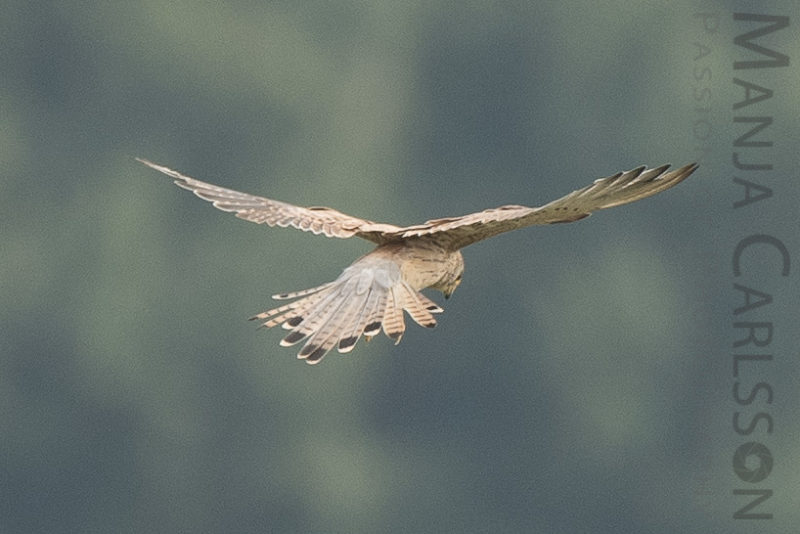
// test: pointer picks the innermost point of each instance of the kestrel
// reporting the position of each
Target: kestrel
(373, 292)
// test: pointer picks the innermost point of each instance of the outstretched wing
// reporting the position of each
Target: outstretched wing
(621, 188)
(318, 220)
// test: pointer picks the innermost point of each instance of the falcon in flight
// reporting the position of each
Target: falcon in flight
(373, 292)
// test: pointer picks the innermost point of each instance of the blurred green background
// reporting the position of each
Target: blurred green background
(580, 380)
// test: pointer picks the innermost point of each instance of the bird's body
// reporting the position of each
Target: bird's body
(373, 293)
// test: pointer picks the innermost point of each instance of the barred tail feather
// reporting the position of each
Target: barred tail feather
(288, 313)
(375, 317)
(315, 317)
(303, 293)
(417, 308)
(351, 336)
(339, 314)
(363, 301)
(393, 323)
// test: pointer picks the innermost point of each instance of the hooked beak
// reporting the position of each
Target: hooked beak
(451, 289)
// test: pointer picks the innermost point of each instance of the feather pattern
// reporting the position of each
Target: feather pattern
(260, 210)
(454, 232)
(369, 296)
(374, 292)
(616, 190)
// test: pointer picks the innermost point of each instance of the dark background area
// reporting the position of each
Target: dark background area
(580, 379)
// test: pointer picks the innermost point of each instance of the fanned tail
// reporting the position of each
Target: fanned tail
(360, 302)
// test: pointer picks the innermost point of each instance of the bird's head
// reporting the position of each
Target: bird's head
(452, 276)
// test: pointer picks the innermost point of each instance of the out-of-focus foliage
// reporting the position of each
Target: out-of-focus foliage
(580, 379)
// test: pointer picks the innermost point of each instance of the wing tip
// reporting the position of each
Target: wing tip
(679, 174)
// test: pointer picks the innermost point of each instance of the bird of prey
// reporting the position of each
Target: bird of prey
(373, 293)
